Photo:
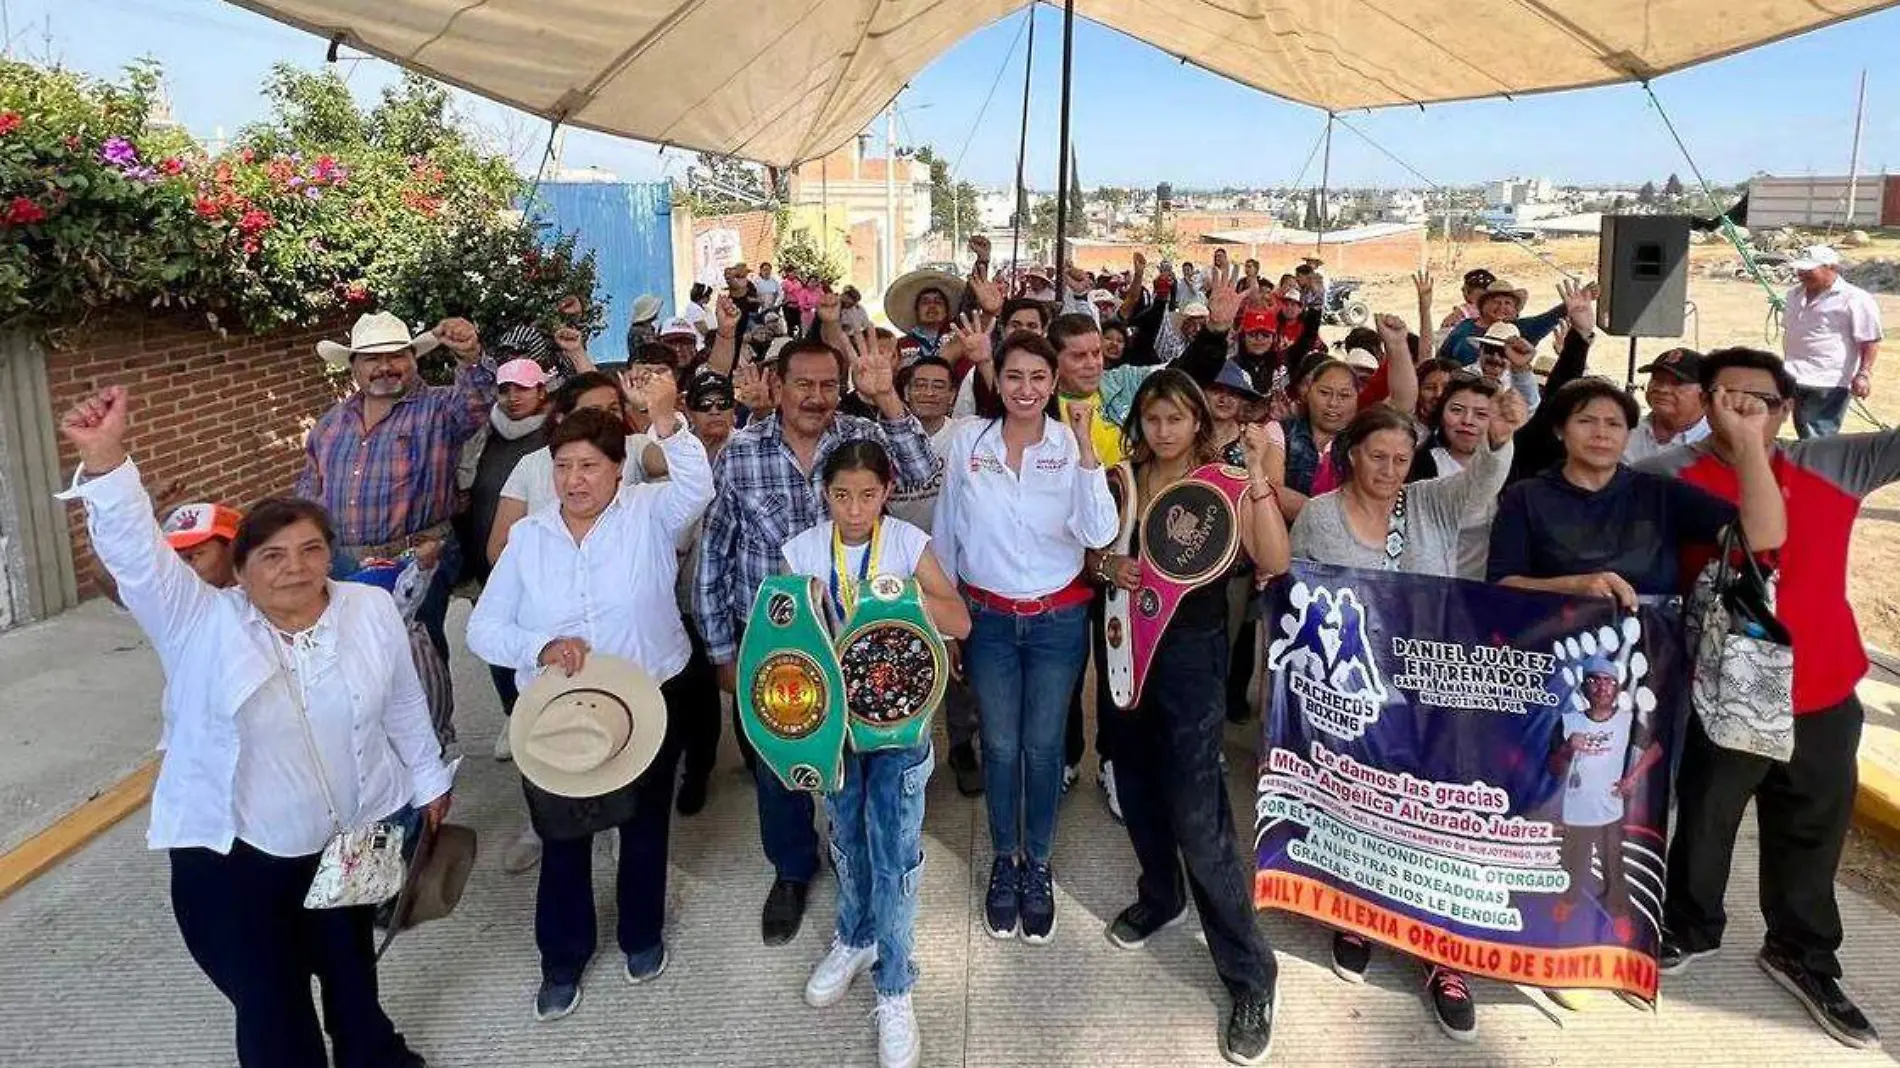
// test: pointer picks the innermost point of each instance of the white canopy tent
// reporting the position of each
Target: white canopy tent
(784, 81)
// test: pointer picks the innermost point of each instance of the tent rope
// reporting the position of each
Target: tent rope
(1727, 226)
(1540, 257)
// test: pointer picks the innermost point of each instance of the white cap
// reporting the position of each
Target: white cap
(677, 327)
(1816, 256)
(1361, 360)
(1500, 334)
(1102, 296)
(1194, 309)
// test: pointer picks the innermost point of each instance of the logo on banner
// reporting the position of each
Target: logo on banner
(1327, 660)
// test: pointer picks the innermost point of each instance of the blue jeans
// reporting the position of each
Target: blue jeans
(877, 832)
(1818, 412)
(1023, 669)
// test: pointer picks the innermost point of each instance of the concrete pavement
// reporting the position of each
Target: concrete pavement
(95, 975)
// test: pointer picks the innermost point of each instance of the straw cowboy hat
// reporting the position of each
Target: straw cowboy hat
(591, 733)
(1500, 288)
(375, 332)
(900, 300)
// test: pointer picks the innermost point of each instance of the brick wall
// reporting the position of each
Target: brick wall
(758, 233)
(225, 415)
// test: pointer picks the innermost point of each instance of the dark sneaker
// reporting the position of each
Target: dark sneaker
(646, 967)
(1002, 903)
(784, 912)
(555, 1000)
(969, 773)
(1038, 903)
(1451, 1003)
(1249, 1035)
(692, 796)
(1672, 959)
(1824, 999)
(1140, 922)
(1352, 955)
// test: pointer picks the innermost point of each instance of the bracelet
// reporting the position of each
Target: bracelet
(1268, 492)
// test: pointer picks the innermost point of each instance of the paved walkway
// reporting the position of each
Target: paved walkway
(94, 974)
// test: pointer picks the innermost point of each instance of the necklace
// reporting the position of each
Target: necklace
(844, 592)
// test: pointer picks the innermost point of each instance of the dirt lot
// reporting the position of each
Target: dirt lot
(1726, 312)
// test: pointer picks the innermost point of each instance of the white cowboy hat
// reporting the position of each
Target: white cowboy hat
(591, 733)
(900, 300)
(1500, 334)
(375, 332)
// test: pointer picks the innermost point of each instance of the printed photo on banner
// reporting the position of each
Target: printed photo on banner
(1474, 775)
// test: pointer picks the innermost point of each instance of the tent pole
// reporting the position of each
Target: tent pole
(1022, 152)
(1325, 176)
(1062, 166)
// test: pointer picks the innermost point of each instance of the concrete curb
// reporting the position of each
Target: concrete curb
(1877, 802)
(71, 832)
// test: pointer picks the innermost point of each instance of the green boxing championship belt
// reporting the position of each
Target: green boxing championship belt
(1190, 535)
(790, 692)
(894, 666)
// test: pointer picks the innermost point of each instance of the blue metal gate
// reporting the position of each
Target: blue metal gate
(628, 227)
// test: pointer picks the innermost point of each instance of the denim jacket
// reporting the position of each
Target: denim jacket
(1302, 454)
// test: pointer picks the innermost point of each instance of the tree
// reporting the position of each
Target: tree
(968, 209)
(308, 109)
(1673, 187)
(723, 185)
(1647, 194)
(414, 117)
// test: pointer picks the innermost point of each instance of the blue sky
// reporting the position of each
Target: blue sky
(1139, 116)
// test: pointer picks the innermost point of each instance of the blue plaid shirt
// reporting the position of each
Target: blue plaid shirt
(763, 499)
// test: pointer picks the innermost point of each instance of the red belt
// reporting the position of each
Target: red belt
(1075, 593)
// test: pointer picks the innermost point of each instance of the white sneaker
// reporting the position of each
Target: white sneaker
(1070, 773)
(502, 752)
(831, 978)
(523, 853)
(898, 1045)
(1114, 799)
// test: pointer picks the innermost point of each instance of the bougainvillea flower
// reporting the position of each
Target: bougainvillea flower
(171, 166)
(22, 211)
(9, 122)
(208, 208)
(255, 221)
(119, 152)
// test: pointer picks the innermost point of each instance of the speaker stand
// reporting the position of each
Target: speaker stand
(1630, 382)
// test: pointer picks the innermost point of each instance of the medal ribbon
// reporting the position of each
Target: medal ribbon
(844, 593)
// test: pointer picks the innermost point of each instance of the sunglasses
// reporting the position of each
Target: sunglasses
(1770, 401)
(714, 404)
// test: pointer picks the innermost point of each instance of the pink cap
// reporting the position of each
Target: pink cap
(521, 372)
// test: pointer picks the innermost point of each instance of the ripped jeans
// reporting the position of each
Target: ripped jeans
(877, 846)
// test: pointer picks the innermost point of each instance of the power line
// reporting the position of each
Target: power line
(1001, 69)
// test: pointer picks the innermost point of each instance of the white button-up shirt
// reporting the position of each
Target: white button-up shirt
(612, 589)
(1822, 335)
(1644, 443)
(226, 710)
(1019, 536)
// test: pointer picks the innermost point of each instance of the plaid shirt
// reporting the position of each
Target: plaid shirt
(398, 478)
(763, 499)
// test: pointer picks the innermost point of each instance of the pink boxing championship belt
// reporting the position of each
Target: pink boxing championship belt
(1190, 535)
(1117, 626)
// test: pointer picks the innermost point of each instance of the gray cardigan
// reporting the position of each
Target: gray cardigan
(1435, 510)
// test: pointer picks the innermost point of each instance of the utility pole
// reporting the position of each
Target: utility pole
(1853, 161)
(890, 193)
(1062, 164)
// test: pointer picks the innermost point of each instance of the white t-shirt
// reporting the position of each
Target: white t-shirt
(1822, 335)
(918, 506)
(1595, 766)
(532, 480)
(902, 545)
(1643, 443)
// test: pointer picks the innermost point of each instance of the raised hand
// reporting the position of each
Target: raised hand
(1520, 352)
(569, 307)
(97, 427)
(872, 372)
(1579, 304)
(726, 311)
(1140, 267)
(970, 337)
(1265, 446)
(569, 340)
(1223, 300)
(980, 248)
(1391, 331)
(1080, 416)
(1079, 280)
(829, 306)
(1508, 415)
(749, 388)
(659, 395)
(1738, 420)
(460, 338)
(987, 292)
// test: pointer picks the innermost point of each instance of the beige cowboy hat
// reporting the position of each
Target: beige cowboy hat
(1499, 335)
(590, 733)
(437, 875)
(375, 332)
(900, 300)
(1500, 288)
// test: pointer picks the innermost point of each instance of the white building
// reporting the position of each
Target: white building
(1401, 206)
(1510, 192)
